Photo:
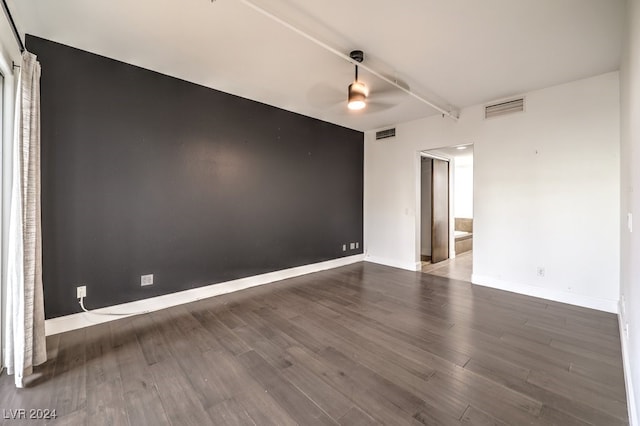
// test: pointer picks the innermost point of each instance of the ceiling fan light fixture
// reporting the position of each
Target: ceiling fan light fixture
(357, 96)
(357, 91)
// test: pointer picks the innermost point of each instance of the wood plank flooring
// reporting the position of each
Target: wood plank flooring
(459, 268)
(357, 345)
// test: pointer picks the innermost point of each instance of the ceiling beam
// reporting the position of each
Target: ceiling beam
(451, 112)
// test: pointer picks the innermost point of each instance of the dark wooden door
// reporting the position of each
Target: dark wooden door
(440, 211)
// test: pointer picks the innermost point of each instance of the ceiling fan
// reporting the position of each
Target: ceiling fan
(359, 94)
(374, 96)
(358, 91)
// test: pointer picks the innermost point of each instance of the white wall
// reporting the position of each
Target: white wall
(630, 203)
(463, 186)
(546, 192)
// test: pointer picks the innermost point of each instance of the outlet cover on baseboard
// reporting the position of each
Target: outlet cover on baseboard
(146, 280)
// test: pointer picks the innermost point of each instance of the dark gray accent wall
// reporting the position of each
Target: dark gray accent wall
(148, 174)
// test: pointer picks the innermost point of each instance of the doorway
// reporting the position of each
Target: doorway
(434, 209)
(446, 211)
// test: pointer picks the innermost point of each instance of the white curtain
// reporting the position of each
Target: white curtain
(24, 329)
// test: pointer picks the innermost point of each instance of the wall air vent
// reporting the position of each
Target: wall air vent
(388, 133)
(504, 108)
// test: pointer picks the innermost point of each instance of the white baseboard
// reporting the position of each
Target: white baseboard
(605, 305)
(85, 319)
(626, 363)
(409, 266)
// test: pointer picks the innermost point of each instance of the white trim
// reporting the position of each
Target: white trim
(409, 266)
(605, 305)
(427, 154)
(9, 52)
(84, 319)
(418, 209)
(626, 363)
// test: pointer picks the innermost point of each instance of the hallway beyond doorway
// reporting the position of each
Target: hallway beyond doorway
(457, 268)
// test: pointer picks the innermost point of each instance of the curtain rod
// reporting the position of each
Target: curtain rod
(13, 25)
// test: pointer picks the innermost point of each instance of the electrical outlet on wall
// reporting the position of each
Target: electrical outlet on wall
(626, 330)
(344, 247)
(81, 291)
(540, 271)
(146, 280)
(352, 246)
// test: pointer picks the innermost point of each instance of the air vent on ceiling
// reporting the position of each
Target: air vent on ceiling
(388, 133)
(504, 108)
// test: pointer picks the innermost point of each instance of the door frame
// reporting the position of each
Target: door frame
(418, 209)
(7, 107)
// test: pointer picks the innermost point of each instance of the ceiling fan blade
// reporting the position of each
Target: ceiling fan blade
(325, 96)
(379, 106)
(386, 93)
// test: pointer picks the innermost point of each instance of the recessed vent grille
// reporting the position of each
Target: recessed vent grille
(388, 133)
(504, 108)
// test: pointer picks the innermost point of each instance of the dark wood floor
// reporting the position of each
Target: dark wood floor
(458, 268)
(362, 344)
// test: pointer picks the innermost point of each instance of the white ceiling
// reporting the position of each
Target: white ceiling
(454, 52)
